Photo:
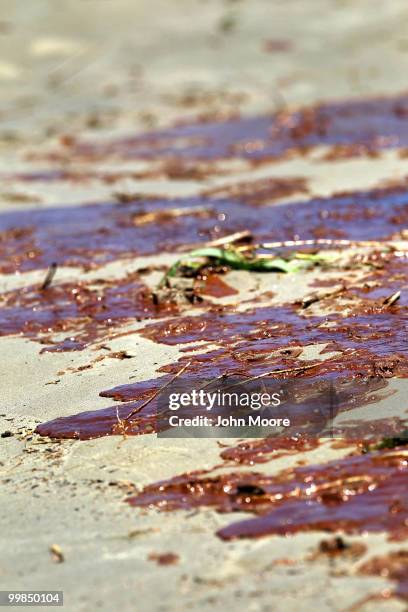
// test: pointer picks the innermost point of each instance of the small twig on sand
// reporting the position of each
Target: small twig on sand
(391, 299)
(121, 423)
(49, 277)
(231, 238)
(285, 371)
(315, 297)
(210, 382)
(169, 213)
(271, 372)
(156, 393)
(324, 242)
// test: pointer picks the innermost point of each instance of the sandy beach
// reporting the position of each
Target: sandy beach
(132, 133)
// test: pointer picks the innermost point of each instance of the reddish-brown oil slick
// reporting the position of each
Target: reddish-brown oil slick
(375, 124)
(261, 191)
(265, 449)
(371, 346)
(143, 416)
(360, 493)
(94, 234)
(213, 285)
(85, 310)
(355, 494)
